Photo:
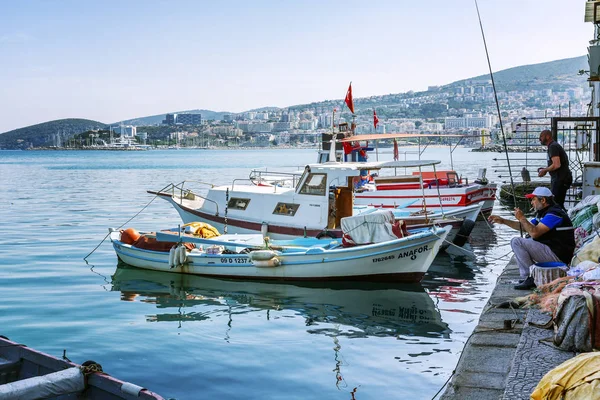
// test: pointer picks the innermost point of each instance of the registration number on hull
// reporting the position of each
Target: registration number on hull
(228, 260)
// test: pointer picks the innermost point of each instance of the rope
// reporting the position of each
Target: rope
(471, 253)
(126, 222)
(499, 258)
(226, 208)
(90, 367)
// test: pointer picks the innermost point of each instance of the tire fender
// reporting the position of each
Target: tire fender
(463, 233)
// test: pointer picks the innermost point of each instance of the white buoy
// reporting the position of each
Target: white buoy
(273, 262)
(262, 255)
(172, 257)
(182, 253)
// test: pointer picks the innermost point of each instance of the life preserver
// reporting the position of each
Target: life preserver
(463, 233)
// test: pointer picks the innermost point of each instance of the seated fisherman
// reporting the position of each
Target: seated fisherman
(550, 235)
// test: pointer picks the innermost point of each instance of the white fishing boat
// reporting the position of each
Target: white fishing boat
(29, 374)
(320, 198)
(439, 188)
(380, 254)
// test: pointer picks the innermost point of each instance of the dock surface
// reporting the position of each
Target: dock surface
(506, 356)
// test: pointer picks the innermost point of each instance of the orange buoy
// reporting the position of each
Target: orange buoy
(129, 235)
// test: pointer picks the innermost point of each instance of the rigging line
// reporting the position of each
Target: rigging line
(512, 183)
(126, 222)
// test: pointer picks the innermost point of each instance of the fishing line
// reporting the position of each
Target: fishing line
(512, 184)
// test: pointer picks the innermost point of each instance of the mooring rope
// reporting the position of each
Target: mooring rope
(126, 222)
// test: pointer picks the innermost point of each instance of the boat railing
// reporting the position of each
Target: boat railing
(178, 190)
(275, 178)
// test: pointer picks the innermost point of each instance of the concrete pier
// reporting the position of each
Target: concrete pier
(504, 357)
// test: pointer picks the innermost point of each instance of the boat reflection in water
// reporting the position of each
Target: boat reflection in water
(376, 309)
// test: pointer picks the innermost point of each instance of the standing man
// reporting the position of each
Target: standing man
(551, 236)
(558, 167)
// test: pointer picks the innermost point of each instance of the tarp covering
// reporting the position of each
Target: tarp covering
(70, 380)
(577, 378)
(375, 227)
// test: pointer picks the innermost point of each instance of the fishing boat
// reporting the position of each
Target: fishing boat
(379, 308)
(374, 247)
(439, 188)
(316, 203)
(29, 374)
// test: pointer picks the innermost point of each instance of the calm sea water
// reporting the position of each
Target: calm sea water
(191, 338)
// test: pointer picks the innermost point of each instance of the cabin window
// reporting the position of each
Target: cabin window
(314, 184)
(237, 203)
(286, 209)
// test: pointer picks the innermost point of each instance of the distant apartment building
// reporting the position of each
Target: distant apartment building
(189, 119)
(125, 130)
(227, 117)
(183, 119)
(283, 126)
(170, 119)
(255, 127)
(431, 126)
(224, 130)
(263, 116)
(307, 125)
(325, 120)
(469, 121)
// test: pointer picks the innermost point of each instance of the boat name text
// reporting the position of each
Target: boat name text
(413, 253)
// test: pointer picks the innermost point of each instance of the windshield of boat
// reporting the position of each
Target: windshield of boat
(314, 184)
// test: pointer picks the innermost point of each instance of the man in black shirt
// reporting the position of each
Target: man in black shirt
(558, 167)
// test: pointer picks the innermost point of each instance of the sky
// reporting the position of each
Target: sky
(115, 60)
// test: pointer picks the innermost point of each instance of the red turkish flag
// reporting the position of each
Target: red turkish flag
(375, 119)
(347, 147)
(348, 99)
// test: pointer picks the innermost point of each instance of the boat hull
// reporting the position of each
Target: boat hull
(18, 363)
(402, 260)
(453, 218)
(448, 197)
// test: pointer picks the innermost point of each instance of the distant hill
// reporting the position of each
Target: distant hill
(47, 133)
(554, 73)
(157, 119)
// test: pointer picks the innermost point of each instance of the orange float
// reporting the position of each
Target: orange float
(129, 235)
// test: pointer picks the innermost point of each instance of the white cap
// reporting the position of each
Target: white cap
(540, 191)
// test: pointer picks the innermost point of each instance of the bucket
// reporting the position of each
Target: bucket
(546, 272)
(551, 264)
